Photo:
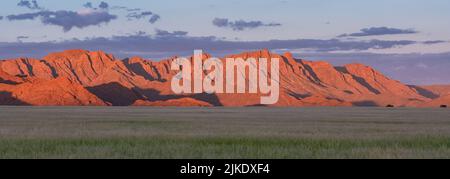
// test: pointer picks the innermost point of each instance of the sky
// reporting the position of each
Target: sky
(398, 37)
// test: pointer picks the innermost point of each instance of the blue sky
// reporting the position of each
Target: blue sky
(322, 19)
(385, 28)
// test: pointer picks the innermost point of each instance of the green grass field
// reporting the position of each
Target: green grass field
(253, 133)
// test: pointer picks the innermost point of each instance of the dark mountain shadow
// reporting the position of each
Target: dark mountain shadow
(414, 99)
(315, 79)
(139, 70)
(363, 82)
(365, 104)
(286, 61)
(21, 76)
(337, 99)
(155, 95)
(257, 105)
(28, 66)
(424, 92)
(341, 69)
(360, 80)
(348, 92)
(209, 98)
(52, 69)
(115, 93)
(313, 74)
(9, 82)
(119, 95)
(6, 98)
(299, 96)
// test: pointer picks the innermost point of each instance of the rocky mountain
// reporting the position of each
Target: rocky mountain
(80, 77)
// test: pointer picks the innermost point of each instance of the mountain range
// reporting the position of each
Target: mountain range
(87, 78)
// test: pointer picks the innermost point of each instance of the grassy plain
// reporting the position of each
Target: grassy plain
(249, 133)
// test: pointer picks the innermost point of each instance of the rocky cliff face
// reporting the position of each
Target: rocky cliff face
(80, 77)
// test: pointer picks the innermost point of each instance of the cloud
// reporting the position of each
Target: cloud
(88, 5)
(221, 22)
(139, 15)
(29, 4)
(164, 33)
(103, 5)
(375, 31)
(86, 17)
(134, 9)
(70, 19)
(434, 42)
(154, 18)
(119, 7)
(20, 38)
(166, 43)
(27, 16)
(126, 8)
(241, 25)
(67, 19)
(135, 14)
(1, 17)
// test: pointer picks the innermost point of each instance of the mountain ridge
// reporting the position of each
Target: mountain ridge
(98, 78)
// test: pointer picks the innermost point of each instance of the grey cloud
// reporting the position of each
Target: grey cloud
(221, 22)
(154, 18)
(375, 31)
(29, 4)
(126, 8)
(141, 33)
(241, 25)
(119, 7)
(103, 5)
(164, 33)
(70, 19)
(67, 19)
(27, 16)
(1, 17)
(88, 5)
(166, 43)
(20, 38)
(139, 15)
(134, 9)
(434, 42)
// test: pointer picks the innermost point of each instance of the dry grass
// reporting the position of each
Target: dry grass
(142, 132)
